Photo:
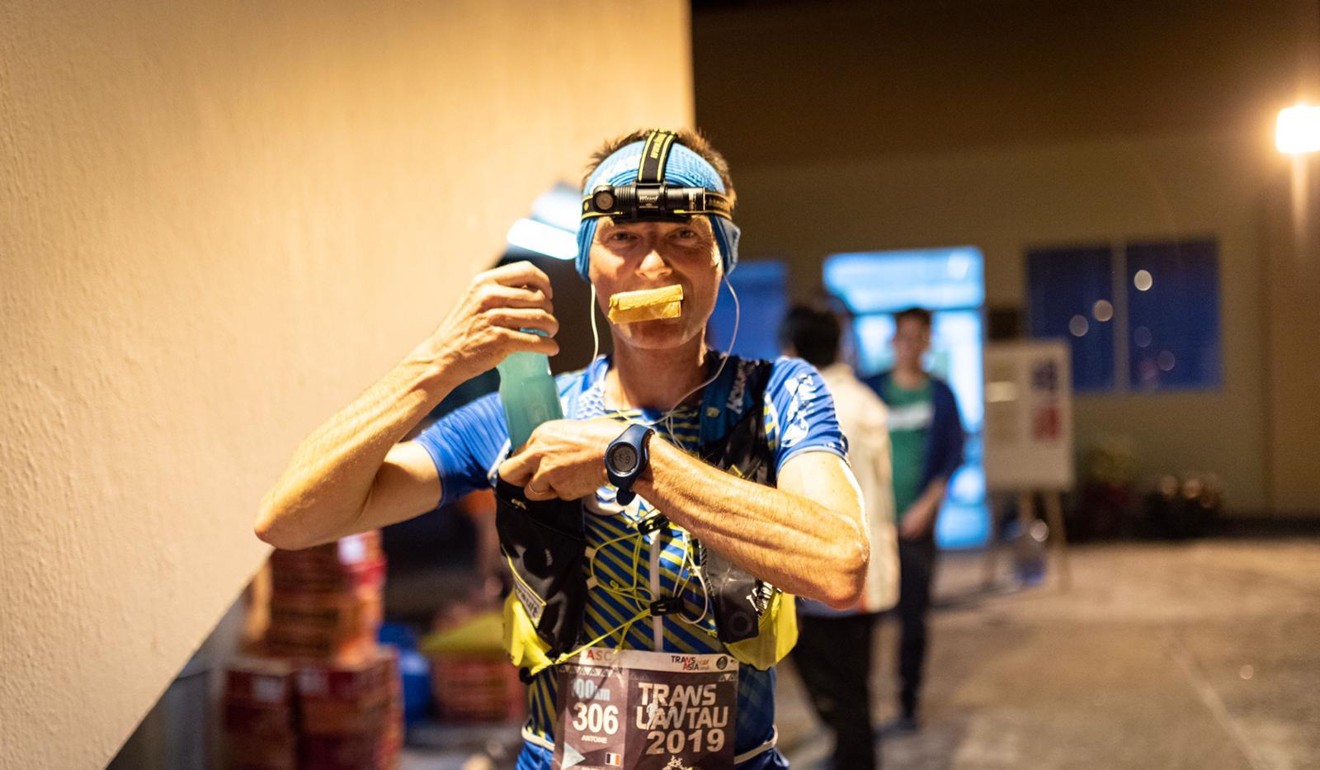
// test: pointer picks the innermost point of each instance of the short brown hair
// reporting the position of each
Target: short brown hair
(813, 333)
(693, 140)
(919, 314)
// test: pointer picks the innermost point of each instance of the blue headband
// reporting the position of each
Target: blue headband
(683, 167)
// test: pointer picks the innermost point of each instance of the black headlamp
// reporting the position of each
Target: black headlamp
(653, 201)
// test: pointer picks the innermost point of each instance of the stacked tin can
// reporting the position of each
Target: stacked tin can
(319, 692)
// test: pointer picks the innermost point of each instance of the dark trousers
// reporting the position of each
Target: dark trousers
(833, 655)
(916, 567)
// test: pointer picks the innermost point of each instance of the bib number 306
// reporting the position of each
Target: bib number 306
(595, 718)
(641, 710)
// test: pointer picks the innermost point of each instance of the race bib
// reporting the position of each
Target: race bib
(646, 711)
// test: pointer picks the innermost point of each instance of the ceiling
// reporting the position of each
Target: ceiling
(821, 79)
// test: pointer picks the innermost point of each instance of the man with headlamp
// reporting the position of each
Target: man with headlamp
(657, 534)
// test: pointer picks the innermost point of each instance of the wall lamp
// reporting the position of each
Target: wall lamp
(1298, 129)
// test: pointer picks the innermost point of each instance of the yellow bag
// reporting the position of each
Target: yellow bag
(776, 635)
(528, 651)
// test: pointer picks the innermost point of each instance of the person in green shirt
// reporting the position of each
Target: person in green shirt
(926, 437)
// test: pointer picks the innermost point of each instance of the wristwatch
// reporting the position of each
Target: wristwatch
(626, 458)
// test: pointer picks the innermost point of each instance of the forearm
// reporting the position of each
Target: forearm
(933, 495)
(328, 483)
(352, 473)
(796, 542)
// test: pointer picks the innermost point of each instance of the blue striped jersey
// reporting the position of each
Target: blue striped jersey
(626, 568)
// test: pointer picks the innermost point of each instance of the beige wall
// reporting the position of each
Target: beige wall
(220, 221)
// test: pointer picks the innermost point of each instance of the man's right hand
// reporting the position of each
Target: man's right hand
(487, 323)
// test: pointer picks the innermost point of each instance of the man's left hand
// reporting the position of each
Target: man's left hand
(563, 459)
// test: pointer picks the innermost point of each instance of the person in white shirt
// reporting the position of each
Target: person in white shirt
(834, 649)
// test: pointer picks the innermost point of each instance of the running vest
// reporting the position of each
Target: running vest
(544, 544)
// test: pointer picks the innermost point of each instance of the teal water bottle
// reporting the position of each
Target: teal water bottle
(529, 394)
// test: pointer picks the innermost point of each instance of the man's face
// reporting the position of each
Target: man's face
(630, 256)
(911, 341)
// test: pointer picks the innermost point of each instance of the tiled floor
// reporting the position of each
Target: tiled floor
(1201, 655)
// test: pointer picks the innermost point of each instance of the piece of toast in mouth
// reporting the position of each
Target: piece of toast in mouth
(629, 307)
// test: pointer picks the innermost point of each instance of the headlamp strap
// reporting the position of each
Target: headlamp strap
(655, 153)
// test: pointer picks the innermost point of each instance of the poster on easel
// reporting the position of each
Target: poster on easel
(1028, 416)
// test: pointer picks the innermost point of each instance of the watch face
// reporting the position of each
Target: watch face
(623, 458)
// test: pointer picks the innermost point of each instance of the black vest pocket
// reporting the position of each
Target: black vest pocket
(544, 542)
